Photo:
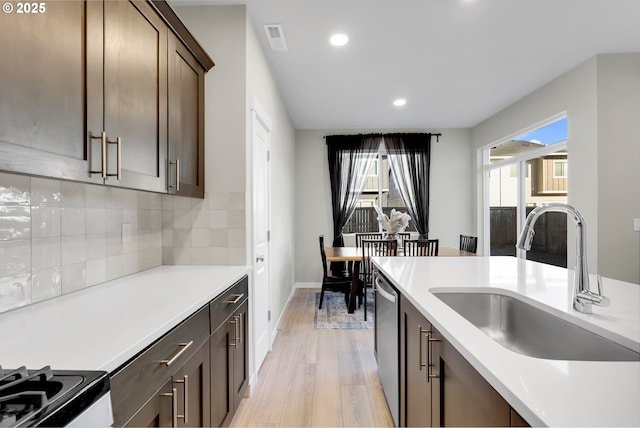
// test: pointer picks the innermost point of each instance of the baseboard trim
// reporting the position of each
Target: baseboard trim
(307, 285)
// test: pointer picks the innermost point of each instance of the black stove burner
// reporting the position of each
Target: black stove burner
(31, 397)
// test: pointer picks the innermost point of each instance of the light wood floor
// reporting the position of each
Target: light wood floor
(316, 377)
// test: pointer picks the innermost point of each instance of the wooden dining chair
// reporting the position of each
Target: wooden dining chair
(332, 282)
(421, 247)
(372, 248)
(468, 243)
(368, 235)
(403, 236)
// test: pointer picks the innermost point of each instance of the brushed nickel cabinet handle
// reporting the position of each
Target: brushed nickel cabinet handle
(241, 319)
(174, 405)
(429, 341)
(421, 331)
(185, 381)
(236, 300)
(184, 347)
(118, 143)
(232, 342)
(186, 399)
(103, 150)
(177, 164)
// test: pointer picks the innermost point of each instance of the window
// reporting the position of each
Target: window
(521, 173)
(560, 168)
(380, 190)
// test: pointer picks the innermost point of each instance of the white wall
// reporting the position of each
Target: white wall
(451, 209)
(593, 103)
(242, 71)
(261, 83)
(619, 165)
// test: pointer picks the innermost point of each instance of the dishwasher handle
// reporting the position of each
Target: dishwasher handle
(380, 288)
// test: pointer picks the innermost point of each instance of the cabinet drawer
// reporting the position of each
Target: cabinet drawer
(133, 384)
(225, 304)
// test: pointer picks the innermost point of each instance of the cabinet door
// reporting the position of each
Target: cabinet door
(135, 95)
(466, 398)
(415, 395)
(186, 122)
(192, 383)
(157, 412)
(44, 89)
(241, 354)
(221, 349)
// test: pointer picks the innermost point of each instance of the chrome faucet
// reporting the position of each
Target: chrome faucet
(583, 297)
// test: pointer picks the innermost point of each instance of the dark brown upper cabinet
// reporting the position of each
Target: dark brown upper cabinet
(45, 88)
(92, 91)
(186, 122)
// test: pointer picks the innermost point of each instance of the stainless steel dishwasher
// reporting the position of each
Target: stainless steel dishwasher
(387, 348)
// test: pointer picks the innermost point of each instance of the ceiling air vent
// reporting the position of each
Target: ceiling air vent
(275, 35)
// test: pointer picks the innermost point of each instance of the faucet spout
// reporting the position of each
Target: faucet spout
(583, 297)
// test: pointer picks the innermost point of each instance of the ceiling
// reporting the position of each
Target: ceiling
(456, 62)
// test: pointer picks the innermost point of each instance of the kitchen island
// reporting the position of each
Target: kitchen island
(102, 327)
(544, 392)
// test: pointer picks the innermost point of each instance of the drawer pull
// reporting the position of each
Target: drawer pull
(236, 300)
(170, 361)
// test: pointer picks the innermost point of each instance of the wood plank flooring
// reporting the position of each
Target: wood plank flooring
(316, 377)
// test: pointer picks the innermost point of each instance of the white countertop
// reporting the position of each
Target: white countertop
(544, 392)
(101, 327)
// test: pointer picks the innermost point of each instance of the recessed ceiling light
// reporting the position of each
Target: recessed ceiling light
(399, 102)
(339, 40)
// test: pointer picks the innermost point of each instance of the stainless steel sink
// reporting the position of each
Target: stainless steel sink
(531, 331)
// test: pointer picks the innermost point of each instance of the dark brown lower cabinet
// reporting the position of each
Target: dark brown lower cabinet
(438, 386)
(229, 366)
(193, 376)
(416, 396)
(183, 400)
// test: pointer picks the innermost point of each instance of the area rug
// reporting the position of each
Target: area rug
(334, 313)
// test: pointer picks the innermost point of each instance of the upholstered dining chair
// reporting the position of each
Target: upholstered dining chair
(468, 243)
(421, 247)
(331, 282)
(372, 248)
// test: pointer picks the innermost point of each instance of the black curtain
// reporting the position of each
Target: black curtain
(350, 158)
(410, 157)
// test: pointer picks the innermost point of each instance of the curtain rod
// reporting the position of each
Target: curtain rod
(438, 135)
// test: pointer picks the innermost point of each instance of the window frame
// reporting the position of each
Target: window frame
(521, 168)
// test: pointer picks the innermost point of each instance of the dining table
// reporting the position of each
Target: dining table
(354, 254)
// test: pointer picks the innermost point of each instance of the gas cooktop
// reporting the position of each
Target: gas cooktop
(59, 398)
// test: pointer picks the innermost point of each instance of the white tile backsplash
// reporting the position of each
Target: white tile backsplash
(45, 192)
(73, 277)
(15, 189)
(15, 291)
(73, 249)
(45, 284)
(57, 237)
(45, 253)
(73, 221)
(15, 222)
(45, 221)
(15, 256)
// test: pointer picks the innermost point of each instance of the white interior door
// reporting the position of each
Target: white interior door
(261, 130)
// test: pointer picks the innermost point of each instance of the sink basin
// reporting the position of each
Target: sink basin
(531, 331)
